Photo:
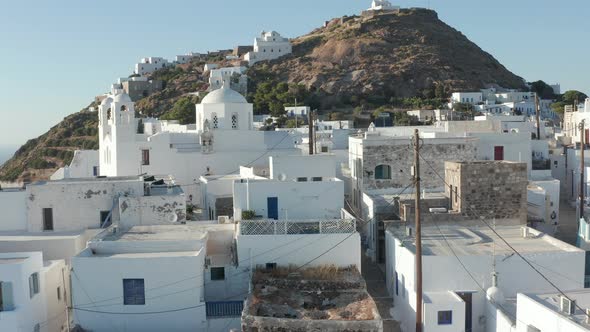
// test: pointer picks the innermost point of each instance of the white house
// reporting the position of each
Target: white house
(225, 75)
(458, 300)
(295, 182)
(472, 98)
(182, 59)
(269, 46)
(552, 312)
(84, 164)
(222, 139)
(79, 204)
(383, 5)
(149, 65)
(33, 293)
(298, 111)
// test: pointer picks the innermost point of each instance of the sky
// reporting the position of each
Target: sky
(55, 56)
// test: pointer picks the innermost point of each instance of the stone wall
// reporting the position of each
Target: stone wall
(493, 189)
(401, 158)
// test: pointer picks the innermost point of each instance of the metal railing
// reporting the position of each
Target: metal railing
(289, 227)
(222, 309)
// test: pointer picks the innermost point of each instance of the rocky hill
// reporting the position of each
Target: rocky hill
(355, 60)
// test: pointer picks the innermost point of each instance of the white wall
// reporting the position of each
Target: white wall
(53, 246)
(83, 165)
(531, 313)
(151, 210)
(14, 212)
(297, 250)
(293, 167)
(99, 279)
(296, 200)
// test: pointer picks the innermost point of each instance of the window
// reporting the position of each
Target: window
(109, 114)
(95, 171)
(215, 120)
(217, 273)
(271, 266)
(383, 172)
(396, 284)
(145, 157)
(47, 219)
(58, 293)
(324, 149)
(123, 108)
(316, 179)
(445, 317)
(103, 219)
(6, 298)
(133, 292)
(33, 284)
(302, 179)
(234, 121)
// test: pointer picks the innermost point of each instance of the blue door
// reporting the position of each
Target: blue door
(272, 206)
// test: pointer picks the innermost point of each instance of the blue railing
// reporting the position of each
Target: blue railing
(224, 309)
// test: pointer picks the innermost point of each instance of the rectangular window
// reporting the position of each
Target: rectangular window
(445, 317)
(302, 179)
(271, 266)
(217, 273)
(324, 149)
(47, 219)
(6, 298)
(316, 179)
(95, 171)
(133, 292)
(145, 157)
(59, 293)
(104, 215)
(33, 284)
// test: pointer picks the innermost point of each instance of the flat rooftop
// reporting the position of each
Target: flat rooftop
(158, 233)
(316, 293)
(478, 240)
(552, 302)
(93, 179)
(43, 236)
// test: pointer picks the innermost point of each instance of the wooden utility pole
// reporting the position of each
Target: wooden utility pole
(538, 115)
(582, 185)
(418, 257)
(311, 136)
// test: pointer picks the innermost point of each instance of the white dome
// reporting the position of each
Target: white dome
(122, 98)
(224, 95)
(495, 295)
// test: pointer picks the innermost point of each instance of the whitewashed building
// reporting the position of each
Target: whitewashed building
(460, 300)
(552, 312)
(269, 46)
(84, 164)
(222, 139)
(150, 65)
(33, 293)
(186, 58)
(382, 5)
(234, 76)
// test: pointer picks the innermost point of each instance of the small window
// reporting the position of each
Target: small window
(445, 317)
(396, 284)
(59, 293)
(271, 266)
(324, 149)
(316, 179)
(215, 121)
(105, 219)
(47, 219)
(145, 157)
(302, 179)
(33, 284)
(383, 172)
(95, 171)
(217, 273)
(234, 121)
(133, 292)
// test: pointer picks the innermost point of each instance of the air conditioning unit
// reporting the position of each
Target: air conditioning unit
(567, 306)
(223, 219)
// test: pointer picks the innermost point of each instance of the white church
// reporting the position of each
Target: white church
(221, 140)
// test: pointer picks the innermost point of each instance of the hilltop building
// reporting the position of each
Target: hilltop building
(269, 46)
(382, 5)
(150, 65)
(234, 76)
(182, 59)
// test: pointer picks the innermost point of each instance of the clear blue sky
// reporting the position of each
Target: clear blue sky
(55, 56)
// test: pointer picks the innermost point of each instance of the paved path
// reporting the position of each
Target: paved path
(568, 225)
(375, 279)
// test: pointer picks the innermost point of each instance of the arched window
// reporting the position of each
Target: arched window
(109, 114)
(234, 121)
(123, 108)
(383, 172)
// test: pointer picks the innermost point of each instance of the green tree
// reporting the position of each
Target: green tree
(183, 111)
(571, 96)
(543, 90)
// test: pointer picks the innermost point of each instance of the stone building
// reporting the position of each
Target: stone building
(140, 87)
(494, 189)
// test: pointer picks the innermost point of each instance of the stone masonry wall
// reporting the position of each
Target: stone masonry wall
(488, 188)
(401, 159)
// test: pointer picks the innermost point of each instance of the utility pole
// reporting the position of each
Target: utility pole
(418, 257)
(538, 115)
(582, 185)
(310, 131)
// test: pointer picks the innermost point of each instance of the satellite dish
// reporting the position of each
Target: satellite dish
(282, 177)
(173, 217)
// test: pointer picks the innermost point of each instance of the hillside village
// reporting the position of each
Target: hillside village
(230, 210)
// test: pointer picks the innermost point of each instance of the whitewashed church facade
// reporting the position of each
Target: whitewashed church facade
(269, 46)
(222, 139)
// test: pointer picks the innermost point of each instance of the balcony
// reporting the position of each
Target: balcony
(289, 227)
(224, 309)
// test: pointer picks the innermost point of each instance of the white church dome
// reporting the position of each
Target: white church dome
(122, 98)
(224, 95)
